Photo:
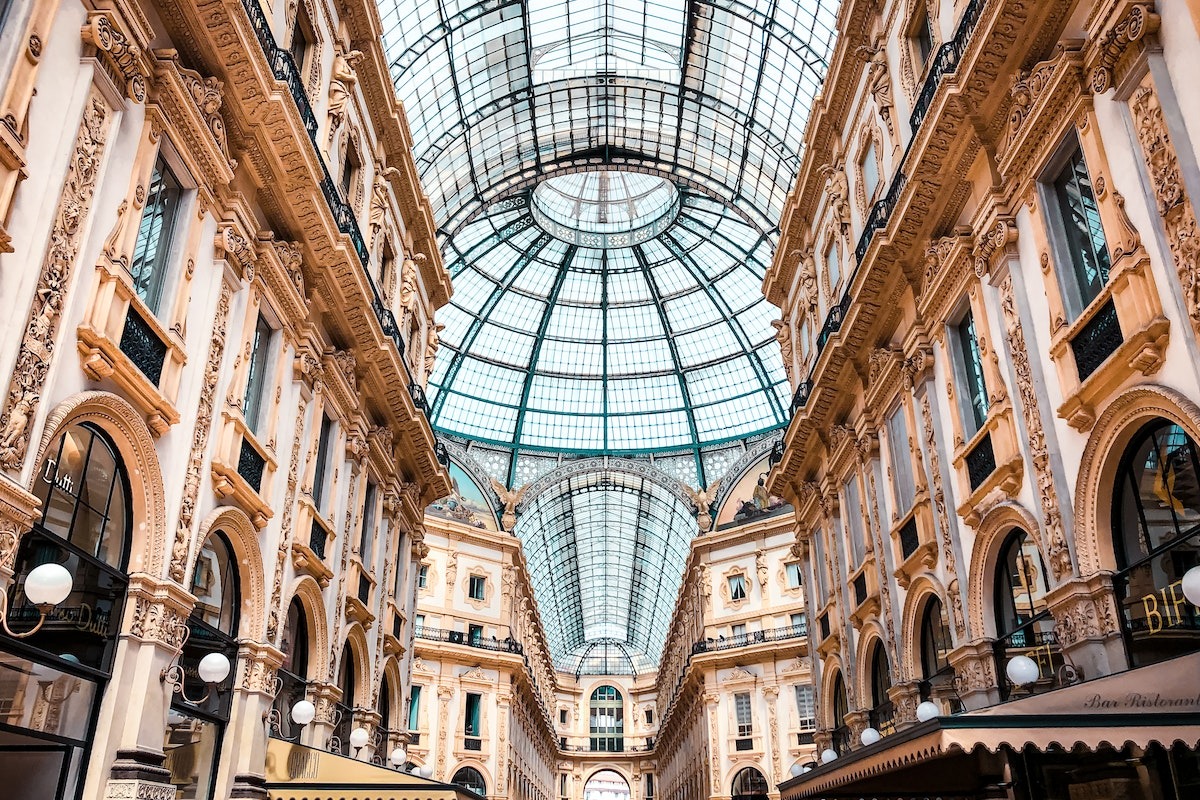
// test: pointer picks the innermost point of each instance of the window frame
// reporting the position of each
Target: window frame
(743, 714)
(974, 417)
(258, 369)
(169, 248)
(1067, 269)
(322, 474)
(474, 581)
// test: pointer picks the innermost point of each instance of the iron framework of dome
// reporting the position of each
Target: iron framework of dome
(607, 177)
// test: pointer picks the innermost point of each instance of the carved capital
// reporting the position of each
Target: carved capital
(105, 32)
(1138, 22)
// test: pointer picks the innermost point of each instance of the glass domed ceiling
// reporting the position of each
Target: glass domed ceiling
(662, 344)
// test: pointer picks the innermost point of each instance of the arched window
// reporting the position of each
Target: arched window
(607, 720)
(935, 648)
(1156, 539)
(749, 784)
(347, 682)
(1023, 619)
(882, 713)
(470, 778)
(58, 674)
(193, 735)
(293, 672)
(840, 708)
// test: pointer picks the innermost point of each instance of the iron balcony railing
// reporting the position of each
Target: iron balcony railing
(945, 63)
(284, 69)
(508, 645)
(711, 645)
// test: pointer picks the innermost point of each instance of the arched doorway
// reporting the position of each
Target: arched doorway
(293, 673)
(52, 681)
(1024, 624)
(606, 784)
(472, 779)
(1156, 539)
(749, 784)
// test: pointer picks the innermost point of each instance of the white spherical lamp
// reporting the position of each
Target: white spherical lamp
(398, 756)
(805, 768)
(358, 738)
(828, 755)
(927, 711)
(1022, 670)
(48, 584)
(303, 712)
(869, 736)
(796, 770)
(1191, 585)
(214, 668)
(426, 771)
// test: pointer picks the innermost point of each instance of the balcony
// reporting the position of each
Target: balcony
(981, 462)
(752, 638)
(507, 645)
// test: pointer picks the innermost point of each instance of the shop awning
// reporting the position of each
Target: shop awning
(1157, 704)
(296, 772)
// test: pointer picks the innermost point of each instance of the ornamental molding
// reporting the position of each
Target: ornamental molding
(192, 104)
(37, 347)
(275, 609)
(1110, 50)
(604, 464)
(18, 510)
(1043, 101)
(755, 452)
(117, 45)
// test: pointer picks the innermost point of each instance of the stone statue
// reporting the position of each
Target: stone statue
(341, 83)
(379, 204)
(783, 335)
(809, 293)
(509, 498)
(839, 195)
(760, 564)
(878, 82)
(702, 499)
(432, 341)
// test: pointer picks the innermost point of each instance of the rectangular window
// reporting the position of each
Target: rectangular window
(974, 396)
(474, 633)
(414, 706)
(323, 444)
(649, 716)
(800, 623)
(471, 722)
(649, 786)
(152, 252)
(795, 575)
(562, 717)
(1080, 231)
(300, 40)
(818, 566)
(806, 710)
(741, 704)
(366, 539)
(423, 576)
(349, 174)
(855, 530)
(476, 586)
(802, 335)
(923, 37)
(869, 167)
(737, 587)
(901, 458)
(562, 782)
(738, 630)
(256, 380)
(833, 268)
(418, 622)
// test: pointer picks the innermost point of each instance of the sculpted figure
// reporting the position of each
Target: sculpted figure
(431, 347)
(783, 335)
(702, 499)
(340, 85)
(839, 195)
(509, 498)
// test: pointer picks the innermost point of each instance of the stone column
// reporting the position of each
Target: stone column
(1086, 624)
(245, 741)
(18, 509)
(133, 716)
(323, 696)
(905, 697)
(369, 719)
(975, 665)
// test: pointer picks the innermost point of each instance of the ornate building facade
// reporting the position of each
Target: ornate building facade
(989, 292)
(217, 296)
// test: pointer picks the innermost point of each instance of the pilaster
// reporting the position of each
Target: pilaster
(975, 665)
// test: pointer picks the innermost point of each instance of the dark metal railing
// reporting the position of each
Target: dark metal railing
(396, 624)
(316, 539)
(508, 645)
(945, 62)
(143, 347)
(285, 69)
(981, 461)
(251, 465)
(711, 645)
(883, 717)
(910, 538)
(800, 398)
(1097, 340)
(860, 589)
(1037, 640)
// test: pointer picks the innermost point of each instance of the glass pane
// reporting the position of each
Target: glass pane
(256, 380)
(152, 251)
(215, 586)
(972, 365)
(1080, 220)
(192, 746)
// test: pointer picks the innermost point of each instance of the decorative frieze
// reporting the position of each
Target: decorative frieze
(37, 346)
(938, 496)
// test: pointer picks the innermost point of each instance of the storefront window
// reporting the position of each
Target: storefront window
(1156, 539)
(51, 682)
(882, 714)
(935, 649)
(293, 673)
(1023, 620)
(841, 731)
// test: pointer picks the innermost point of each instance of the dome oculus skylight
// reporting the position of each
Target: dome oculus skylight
(605, 209)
